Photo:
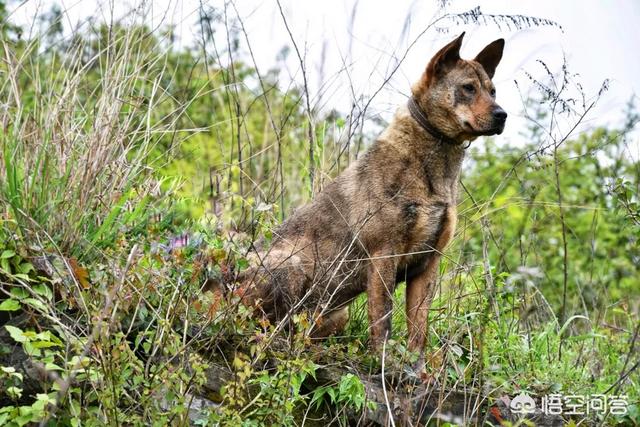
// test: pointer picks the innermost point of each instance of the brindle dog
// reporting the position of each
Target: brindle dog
(388, 217)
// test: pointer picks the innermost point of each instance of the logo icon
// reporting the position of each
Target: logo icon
(523, 404)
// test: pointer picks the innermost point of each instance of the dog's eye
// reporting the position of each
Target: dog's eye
(493, 92)
(469, 88)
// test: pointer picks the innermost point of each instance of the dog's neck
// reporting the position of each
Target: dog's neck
(430, 142)
(422, 118)
(441, 161)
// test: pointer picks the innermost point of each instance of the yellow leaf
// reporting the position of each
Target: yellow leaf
(80, 273)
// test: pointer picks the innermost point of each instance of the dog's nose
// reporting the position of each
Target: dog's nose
(499, 114)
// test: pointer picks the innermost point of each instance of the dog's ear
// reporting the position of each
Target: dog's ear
(445, 59)
(490, 56)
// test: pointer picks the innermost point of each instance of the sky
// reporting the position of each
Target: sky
(351, 47)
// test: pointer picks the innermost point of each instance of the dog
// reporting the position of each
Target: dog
(389, 216)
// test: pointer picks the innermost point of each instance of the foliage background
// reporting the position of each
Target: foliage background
(131, 169)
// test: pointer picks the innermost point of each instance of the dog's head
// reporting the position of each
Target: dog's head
(458, 95)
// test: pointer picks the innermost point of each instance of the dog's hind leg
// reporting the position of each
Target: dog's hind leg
(380, 286)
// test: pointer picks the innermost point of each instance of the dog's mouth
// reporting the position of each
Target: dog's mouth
(496, 129)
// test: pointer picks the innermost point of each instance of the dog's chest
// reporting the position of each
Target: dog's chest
(426, 223)
(428, 226)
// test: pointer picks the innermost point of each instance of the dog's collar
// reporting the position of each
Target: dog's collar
(420, 116)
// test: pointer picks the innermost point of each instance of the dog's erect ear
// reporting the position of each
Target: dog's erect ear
(445, 59)
(490, 56)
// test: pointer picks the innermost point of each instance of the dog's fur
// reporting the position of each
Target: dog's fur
(388, 217)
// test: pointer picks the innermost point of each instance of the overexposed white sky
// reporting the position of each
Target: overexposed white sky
(350, 47)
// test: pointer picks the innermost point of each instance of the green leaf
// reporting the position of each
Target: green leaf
(44, 344)
(332, 393)
(31, 349)
(19, 293)
(26, 267)
(7, 254)
(9, 305)
(27, 416)
(15, 333)
(11, 372)
(52, 367)
(43, 290)
(35, 303)
(15, 392)
(318, 394)
(47, 398)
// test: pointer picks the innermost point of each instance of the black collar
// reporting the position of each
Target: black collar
(420, 116)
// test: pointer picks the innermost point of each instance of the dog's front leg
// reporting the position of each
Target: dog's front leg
(419, 294)
(381, 282)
